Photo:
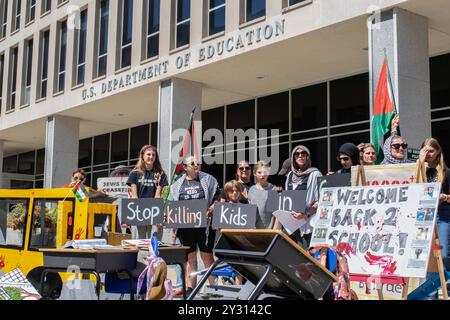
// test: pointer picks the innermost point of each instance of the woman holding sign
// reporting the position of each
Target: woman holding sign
(146, 181)
(437, 171)
(195, 184)
(303, 177)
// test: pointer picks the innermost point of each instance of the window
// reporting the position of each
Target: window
(154, 134)
(80, 49)
(2, 68)
(12, 78)
(270, 117)
(26, 163)
(43, 223)
(61, 56)
(13, 221)
(85, 153)
(216, 16)
(126, 34)
(46, 6)
(153, 19)
(27, 64)
(16, 15)
(119, 145)
(139, 137)
(440, 81)
(31, 10)
(10, 164)
(43, 64)
(183, 22)
(350, 99)
(101, 149)
(309, 108)
(40, 161)
(3, 18)
(102, 43)
(289, 3)
(254, 9)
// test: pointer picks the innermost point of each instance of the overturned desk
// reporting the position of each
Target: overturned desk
(90, 261)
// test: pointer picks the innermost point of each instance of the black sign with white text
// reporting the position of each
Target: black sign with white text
(234, 216)
(289, 200)
(142, 212)
(186, 214)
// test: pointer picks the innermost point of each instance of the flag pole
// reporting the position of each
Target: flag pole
(75, 186)
(390, 81)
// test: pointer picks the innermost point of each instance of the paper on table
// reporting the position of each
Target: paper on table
(288, 221)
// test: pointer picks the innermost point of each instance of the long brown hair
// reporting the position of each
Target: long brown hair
(140, 166)
(441, 166)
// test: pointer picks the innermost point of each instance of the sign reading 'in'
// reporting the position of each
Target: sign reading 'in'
(290, 200)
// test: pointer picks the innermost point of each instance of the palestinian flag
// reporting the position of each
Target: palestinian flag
(383, 112)
(190, 147)
(80, 191)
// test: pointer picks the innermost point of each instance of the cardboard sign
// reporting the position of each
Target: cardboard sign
(234, 216)
(384, 230)
(186, 214)
(384, 175)
(142, 212)
(114, 187)
(335, 180)
(289, 200)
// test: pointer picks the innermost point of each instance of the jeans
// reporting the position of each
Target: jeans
(444, 235)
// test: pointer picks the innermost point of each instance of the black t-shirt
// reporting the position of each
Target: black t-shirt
(244, 190)
(191, 189)
(147, 184)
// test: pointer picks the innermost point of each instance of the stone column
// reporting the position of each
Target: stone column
(404, 37)
(61, 150)
(177, 98)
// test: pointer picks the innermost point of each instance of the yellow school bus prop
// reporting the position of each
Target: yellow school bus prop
(46, 218)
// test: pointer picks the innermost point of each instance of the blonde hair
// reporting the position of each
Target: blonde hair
(260, 164)
(230, 185)
(441, 166)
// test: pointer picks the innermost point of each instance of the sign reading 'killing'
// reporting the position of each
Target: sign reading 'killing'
(186, 214)
(234, 216)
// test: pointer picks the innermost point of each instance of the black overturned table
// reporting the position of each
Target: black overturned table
(90, 261)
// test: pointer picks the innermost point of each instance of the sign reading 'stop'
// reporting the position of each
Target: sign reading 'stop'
(142, 212)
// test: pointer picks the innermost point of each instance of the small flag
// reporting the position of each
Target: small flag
(80, 191)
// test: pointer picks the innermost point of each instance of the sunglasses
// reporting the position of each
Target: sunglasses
(244, 168)
(193, 164)
(301, 154)
(78, 178)
(342, 158)
(397, 146)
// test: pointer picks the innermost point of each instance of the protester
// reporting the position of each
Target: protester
(77, 176)
(233, 194)
(146, 181)
(303, 177)
(368, 155)
(243, 177)
(195, 184)
(120, 171)
(395, 150)
(258, 194)
(348, 156)
(436, 171)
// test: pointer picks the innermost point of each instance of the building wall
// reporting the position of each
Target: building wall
(313, 15)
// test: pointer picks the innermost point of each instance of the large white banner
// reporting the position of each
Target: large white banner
(383, 230)
(383, 175)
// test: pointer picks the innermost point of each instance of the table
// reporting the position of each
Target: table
(90, 261)
(174, 255)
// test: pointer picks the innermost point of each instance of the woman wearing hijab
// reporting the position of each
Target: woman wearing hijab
(303, 177)
(395, 150)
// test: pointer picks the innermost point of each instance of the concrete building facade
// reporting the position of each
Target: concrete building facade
(84, 83)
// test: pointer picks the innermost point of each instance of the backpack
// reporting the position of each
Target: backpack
(158, 286)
